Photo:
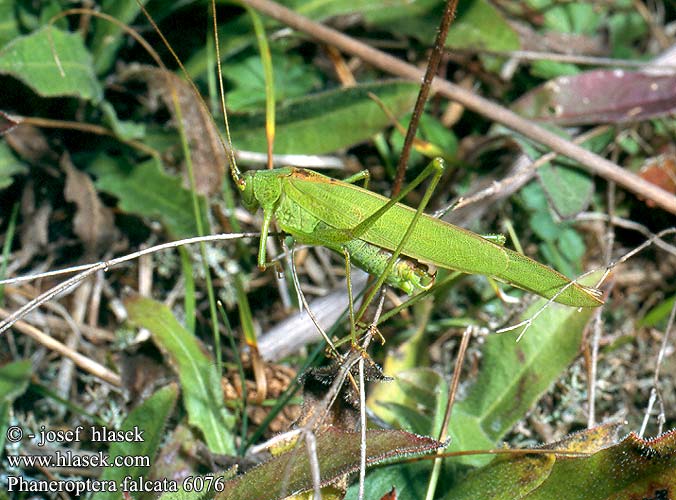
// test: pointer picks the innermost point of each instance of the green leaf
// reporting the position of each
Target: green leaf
(200, 383)
(509, 477)
(9, 166)
(374, 11)
(629, 144)
(552, 69)
(292, 79)
(505, 478)
(212, 484)
(124, 129)
(544, 226)
(148, 418)
(14, 378)
(634, 468)
(147, 191)
(480, 25)
(35, 16)
(415, 400)
(328, 121)
(30, 59)
(409, 356)
(109, 36)
(573, 17)
(514, 375)
(236, 35)
(572, 246)
(410, 481)
(338, 453)
(443, 141)
(626, 28)
(658, 315)
(569, 190)
(477, 24)
(563, 248)
(233, 37)
(9, 28)
(393, 14)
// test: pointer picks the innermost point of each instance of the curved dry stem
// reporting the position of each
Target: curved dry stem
(80, 360)
(89, 128)
(591, 161)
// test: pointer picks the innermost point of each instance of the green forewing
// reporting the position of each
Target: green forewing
(344, 206)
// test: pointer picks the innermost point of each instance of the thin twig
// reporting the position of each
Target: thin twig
(443, 432)
(362, 437)
(655, 392)
(628, 224)
(308, 309)
(80, 360)
(597, 322)
(532, 55)
(74, 281)
(430, 73)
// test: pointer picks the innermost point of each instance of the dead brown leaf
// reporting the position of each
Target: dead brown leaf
(33, 233)
(206, 150)
(30, 144)
(93, 222)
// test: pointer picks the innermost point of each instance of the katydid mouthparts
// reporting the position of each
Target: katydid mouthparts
(367, 228)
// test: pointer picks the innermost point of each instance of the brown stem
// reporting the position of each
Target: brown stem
(592, 162)
(430, 72)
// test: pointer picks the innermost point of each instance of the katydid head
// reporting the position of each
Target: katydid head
(261, 188)
(245, 183)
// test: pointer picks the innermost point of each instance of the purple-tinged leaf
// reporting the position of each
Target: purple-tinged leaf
(338, 452)
(600, 96)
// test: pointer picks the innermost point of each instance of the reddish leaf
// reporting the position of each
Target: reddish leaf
(390, 495)
(660, 171)
(600, 96)
(7, 123)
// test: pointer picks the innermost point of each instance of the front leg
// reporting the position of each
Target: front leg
(364, 175)
(265, 230)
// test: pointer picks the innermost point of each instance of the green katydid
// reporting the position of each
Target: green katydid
(385, 237)
(367, 228)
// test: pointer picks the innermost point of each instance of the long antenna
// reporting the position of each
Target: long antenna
(234, 170)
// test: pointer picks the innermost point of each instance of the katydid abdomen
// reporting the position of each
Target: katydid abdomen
(406, 274)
